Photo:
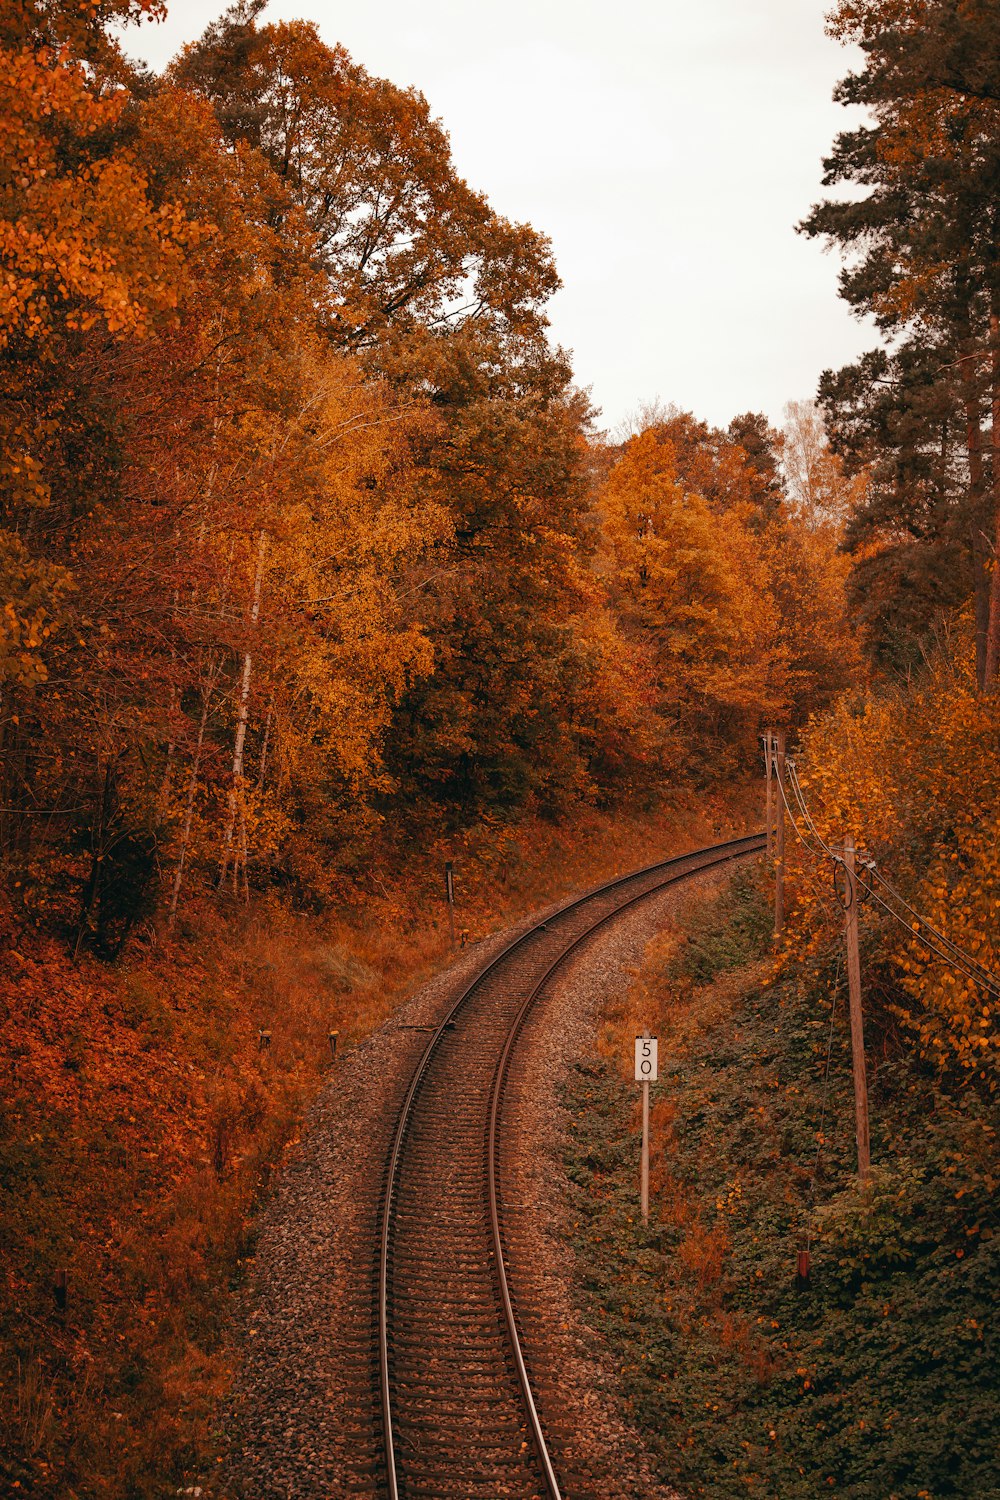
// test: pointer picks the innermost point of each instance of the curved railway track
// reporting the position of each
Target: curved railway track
(463, 1416)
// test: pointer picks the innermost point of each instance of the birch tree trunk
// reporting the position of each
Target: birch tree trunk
(242, 714)
(214, 669)
(262, 768)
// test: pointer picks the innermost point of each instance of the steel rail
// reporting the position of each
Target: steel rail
(496, 1103)
(724, 852)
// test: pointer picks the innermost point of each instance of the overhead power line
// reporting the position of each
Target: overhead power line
(915, 923)
(928, 925)
(984, 979)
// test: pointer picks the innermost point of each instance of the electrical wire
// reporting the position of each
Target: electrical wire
(926, 923)
(798, 832)
(800, 799)
(920, 928)
(947, 959)
(937, 943)
(793, 776)
(985, 980)
(947, 950)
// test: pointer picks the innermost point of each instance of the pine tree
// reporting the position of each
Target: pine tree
(923, 242)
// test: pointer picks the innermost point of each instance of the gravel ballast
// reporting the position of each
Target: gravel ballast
(302, 1421)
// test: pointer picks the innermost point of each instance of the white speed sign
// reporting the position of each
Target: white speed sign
(645, 1059)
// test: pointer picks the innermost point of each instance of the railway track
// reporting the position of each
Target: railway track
(466, 1412)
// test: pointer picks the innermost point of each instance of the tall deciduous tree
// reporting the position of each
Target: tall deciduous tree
(402, 238)
(745, 618)
(817, 487)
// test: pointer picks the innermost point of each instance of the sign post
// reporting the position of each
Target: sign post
(645, 1073)
(449, 885)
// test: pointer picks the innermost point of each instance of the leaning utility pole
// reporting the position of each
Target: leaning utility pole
(779, 862)
(857, 1018)
(769, 768)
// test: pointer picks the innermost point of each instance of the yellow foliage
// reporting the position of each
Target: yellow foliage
(743, 617)
(31, 591)
(914, 774)
(81, 243)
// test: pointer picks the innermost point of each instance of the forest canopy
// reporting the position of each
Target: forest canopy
(308, 536)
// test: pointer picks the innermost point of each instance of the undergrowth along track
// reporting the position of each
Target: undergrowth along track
(466, 1413)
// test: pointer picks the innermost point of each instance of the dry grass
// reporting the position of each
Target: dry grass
(35, 1410)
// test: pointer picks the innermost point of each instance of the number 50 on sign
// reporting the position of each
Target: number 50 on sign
(645, 1059)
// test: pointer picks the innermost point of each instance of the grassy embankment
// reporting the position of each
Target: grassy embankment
(141, 1125)
(879, 1381)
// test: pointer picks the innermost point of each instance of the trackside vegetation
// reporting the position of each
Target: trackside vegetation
(877, 1378)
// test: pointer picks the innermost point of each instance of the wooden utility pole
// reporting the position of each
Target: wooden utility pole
(779, 862)
(857, 1018)
(768, 761)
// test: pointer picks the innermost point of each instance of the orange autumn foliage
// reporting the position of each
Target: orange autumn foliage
(741, 607)
(914, 775)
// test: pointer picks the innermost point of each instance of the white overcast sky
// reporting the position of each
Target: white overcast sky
(667, 147)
